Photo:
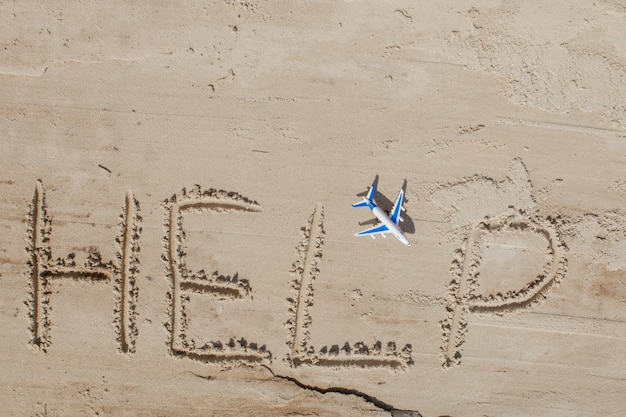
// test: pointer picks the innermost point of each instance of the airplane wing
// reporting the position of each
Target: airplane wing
(395, 213)
(374, 230)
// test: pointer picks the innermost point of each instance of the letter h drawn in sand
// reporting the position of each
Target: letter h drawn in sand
(184, 282)
(120, 273)
(301, 352)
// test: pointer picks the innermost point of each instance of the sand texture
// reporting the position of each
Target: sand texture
(176, 229)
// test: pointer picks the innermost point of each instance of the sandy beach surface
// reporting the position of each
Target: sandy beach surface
(177, 236)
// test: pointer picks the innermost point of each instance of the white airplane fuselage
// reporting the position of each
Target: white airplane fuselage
(393, 228)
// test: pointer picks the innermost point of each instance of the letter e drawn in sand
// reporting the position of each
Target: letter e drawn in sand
(467, 267)
(120, 273)
(184, 282)
(300, 351)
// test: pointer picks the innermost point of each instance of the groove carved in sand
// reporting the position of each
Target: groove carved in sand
(185, 282)
(340, 355)
(120, 273)
(466, 269)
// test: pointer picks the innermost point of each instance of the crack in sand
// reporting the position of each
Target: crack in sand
(395, 412)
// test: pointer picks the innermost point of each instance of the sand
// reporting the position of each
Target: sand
(177, 231)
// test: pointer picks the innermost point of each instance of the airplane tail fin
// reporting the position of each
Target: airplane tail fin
(369, 200)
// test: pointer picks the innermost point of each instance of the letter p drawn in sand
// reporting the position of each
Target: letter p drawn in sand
(466, 270)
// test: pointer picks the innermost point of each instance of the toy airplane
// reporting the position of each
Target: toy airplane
(389, 223)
